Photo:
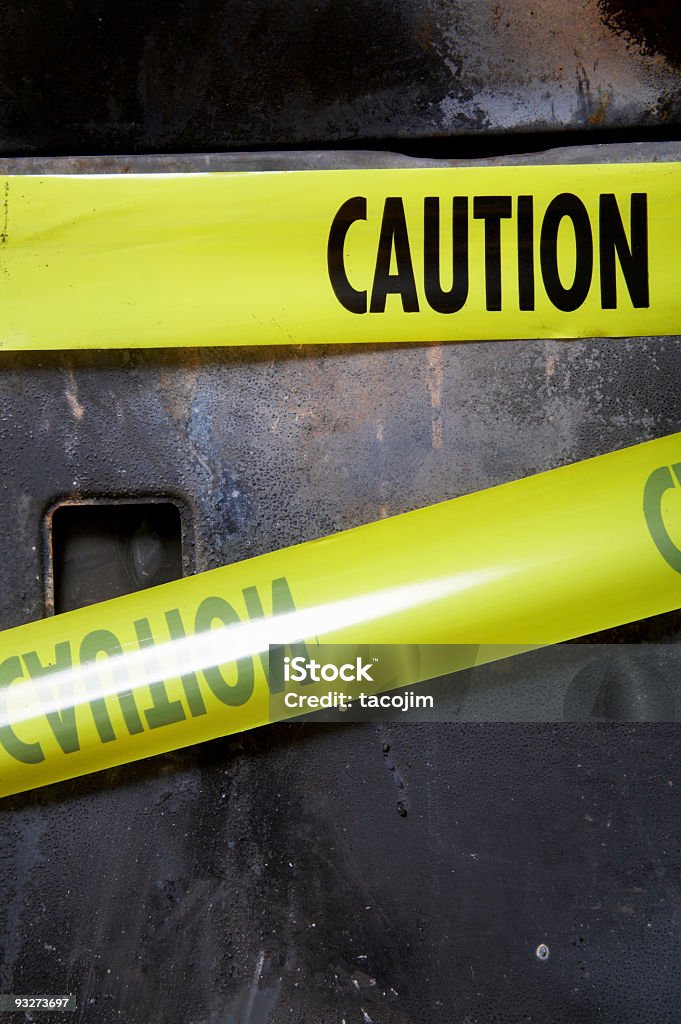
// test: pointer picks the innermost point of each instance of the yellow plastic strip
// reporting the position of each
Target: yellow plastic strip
(537, 561)
(302, 257)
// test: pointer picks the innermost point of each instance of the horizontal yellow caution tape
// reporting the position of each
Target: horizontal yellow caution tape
(537, 561)
(302, 257)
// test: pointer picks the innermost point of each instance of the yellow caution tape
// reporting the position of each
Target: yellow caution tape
(537, 561)
(447, 254)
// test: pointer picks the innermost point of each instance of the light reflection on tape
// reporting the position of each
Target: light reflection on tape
(220, 647)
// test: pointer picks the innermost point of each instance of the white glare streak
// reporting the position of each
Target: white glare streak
(219, 647)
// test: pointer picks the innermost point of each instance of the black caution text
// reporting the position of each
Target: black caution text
(464, 235)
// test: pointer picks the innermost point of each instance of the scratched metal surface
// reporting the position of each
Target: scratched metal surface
(192, 75)
(269, 878)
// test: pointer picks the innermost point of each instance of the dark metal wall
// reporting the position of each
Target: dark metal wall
(269, 878)
(90, 77)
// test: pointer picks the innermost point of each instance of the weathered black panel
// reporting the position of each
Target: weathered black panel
(151, 76)
(270, 877)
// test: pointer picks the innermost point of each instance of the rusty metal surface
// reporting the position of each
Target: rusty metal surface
(271, 878)
(98, 77)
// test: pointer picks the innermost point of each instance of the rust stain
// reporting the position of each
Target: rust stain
(5, 215)
(74, 403)
(178, 376)
(598, 116)
(423, 34)
(49, 567)
(583, 91)
(551, 360)
(664, 107)
(435, 392)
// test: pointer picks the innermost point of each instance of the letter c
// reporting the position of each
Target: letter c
(353, 209)
(28, 753)
(657, 484)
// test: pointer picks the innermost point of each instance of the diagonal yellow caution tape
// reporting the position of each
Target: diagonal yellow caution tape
(537, 561)
(428, 254)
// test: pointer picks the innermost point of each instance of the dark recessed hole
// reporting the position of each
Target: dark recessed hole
(105, 550)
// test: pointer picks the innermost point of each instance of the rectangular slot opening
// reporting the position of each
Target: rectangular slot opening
(100, 550)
